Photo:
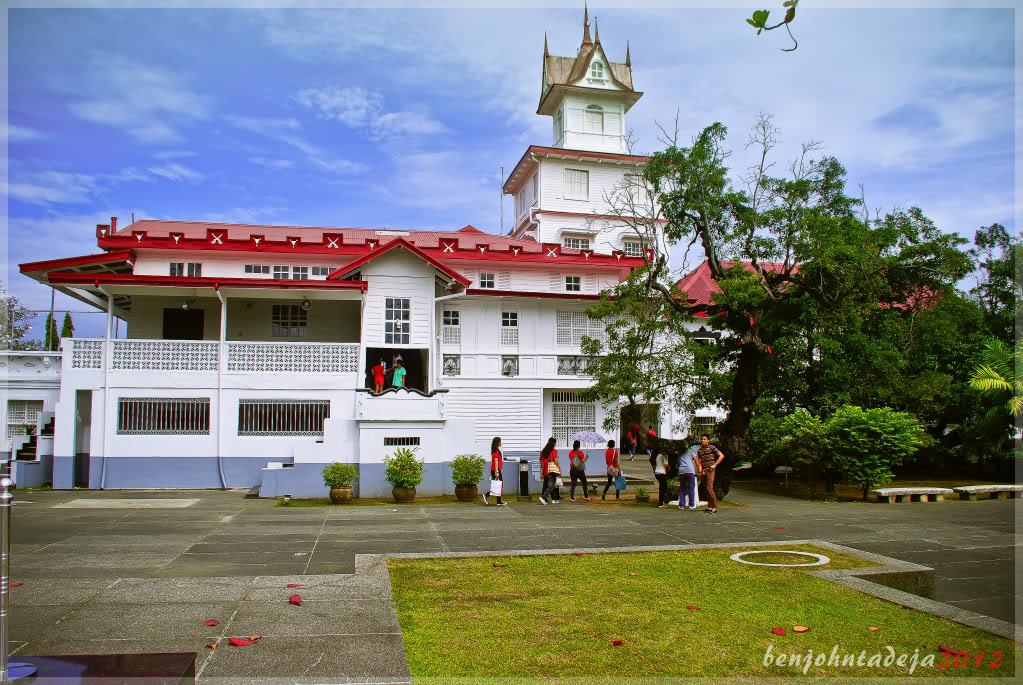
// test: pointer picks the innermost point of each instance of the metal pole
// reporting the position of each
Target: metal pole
(502, 202)
(7, 671)
(53, 324)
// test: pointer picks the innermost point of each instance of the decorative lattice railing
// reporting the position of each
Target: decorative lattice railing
(293, 357)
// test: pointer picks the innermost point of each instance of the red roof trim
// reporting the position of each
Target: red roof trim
(400, 242)
(523, 293)
(595, 216)
(204, 282)
(119, 255)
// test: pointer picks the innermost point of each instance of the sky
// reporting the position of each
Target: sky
(402, 118)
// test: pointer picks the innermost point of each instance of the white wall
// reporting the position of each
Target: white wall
(398, 274)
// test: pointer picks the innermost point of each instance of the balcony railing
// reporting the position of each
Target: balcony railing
(202, 356)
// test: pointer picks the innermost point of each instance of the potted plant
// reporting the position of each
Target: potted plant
(339, 478)
(642, 495)
(466, 473)
(404, 472)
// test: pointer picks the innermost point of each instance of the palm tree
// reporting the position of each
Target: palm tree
(997, 375)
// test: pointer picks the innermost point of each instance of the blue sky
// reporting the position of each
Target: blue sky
(402, 118)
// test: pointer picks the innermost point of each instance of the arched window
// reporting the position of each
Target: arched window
(594, 118)
(597, 70)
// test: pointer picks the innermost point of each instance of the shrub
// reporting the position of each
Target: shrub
(467, 469)
(340, 475)
(403, 469)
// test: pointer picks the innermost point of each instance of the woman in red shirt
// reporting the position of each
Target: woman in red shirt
(577, 469)
(496, 462)
(614, 469)
(550, 469)
(378, 377)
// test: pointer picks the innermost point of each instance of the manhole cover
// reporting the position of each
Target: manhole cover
(819, 559)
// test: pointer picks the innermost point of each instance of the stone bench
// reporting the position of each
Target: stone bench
(892, 495)
(970, 492)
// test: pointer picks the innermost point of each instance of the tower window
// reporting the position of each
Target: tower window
(597, 71)
(577, 184)
(594, 119)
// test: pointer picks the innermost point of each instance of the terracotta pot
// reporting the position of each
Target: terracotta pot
(341, 494)
(403, 494)
(466, 493)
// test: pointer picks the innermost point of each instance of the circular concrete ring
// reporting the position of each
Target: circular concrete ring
(820, 558)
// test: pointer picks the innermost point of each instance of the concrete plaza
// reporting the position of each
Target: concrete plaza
(141, 571)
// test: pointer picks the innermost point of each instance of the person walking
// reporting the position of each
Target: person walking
(577, 470)
(496, 462)
(687, 478)
(614, 469)
(630, 438)
(550, 469)
(709, 456)
(661, 474)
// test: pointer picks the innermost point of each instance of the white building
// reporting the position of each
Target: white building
(248, 347)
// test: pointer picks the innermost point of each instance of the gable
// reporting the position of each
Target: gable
(595, 72)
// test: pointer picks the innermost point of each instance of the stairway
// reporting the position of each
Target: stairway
(27, 452)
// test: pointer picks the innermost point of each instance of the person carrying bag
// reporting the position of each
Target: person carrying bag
(496, 479)
(550, 470)
(614, 470)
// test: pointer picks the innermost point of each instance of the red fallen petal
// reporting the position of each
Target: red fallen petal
(295, 585)
(800, 629)
(240, 642)
(212, 622)
(15, 585)
(578, 554)
(254, 637)
(873, 628)
(499, 565)
(617, 643)
(778, 528)
(693, 608)
(778, 631)
(769, 350)
(211, 646)
(296, 600)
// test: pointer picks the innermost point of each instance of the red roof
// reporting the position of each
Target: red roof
(699, 285)
(443, 268)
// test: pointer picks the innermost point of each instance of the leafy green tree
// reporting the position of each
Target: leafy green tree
(997, 375)
(999, 259)
(15, 323)
(67, 329)
(52, 338)
(866, 444)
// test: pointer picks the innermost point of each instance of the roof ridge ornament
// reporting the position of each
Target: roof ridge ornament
(546, 52)
(628, 57)
(596, 31)
(586, 27)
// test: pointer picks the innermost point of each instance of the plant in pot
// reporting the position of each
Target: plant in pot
(339, 478)
(404, 472)
(466, 473)
(642, 495)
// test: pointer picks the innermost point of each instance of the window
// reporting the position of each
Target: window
(281, 272)
(597, 71)
(526, 197)
(452, 365)
(22, 417)
(633, 248)
(163, 415)
(401, 442)
(486, 280)
(288, 321)
(282, 417)
(451, 328)
(594, 119)
(323, 270)
(194, 270)
(257, 268)
(704, 339)
(177, 269)
(577, 243)
(576, 365)
(577, 184)
(397, 320)
(573, 284)
(509, 366)
(559, 131)
(510, 328)
(569, 415)
(300, 273)
(572, 326)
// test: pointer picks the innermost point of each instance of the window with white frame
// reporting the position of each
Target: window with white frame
(22, 417)
(300, 273)
(577, 243)
(275, 417)
(177, 268)
(486, 280)
(526, 196)
(282, 272)
(569, 415)
(573, 284)
(577, 184)
(257, 268)
(594, 119)
(288, 321)
(509, 328)
(163, 415)
(397, 320)
(323, 270)
(597, 70)
(451, 327)
(572, 326)
(559, 130)
(633, 248)
(194, 270)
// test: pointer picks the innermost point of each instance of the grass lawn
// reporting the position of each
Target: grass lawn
(556, 617)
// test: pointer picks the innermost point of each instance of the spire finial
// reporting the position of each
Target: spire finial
(596, 31)
(628, 57)
(586, 25)
(546, 52)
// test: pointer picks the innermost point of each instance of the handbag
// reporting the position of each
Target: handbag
(558, 483)
(577, 463)
(620, 481)
(552, 467)
(496, 487)
(613, 471)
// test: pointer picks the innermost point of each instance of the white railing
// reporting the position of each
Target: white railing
(202, 356)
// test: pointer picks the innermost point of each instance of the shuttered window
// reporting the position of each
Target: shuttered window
(451, 327)
(569, 415)
(572, 326)
(577, 184)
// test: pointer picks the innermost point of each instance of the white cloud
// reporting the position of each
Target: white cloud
(282, 130)
(351, 106)
(265, 127)
(21, 134)
(177, 172)
(54, 187)
(174, 154)
(402, 124)
(242, 215)
(145, 101)
(272, 163)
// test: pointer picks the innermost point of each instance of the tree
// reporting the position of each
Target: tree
(997, 375)
(15, 323)
(759, 22)
(999, 276)
(52, 338)
(67, 329)
(866, 444)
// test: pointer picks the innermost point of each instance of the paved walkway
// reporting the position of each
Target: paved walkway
(145, 578)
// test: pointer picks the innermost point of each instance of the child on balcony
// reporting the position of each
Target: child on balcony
(378, 377)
